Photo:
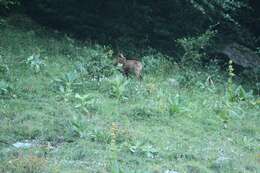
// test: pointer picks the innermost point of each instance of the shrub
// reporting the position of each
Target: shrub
(98, 63)
(36, 62)
(195, 47)
(155, 63)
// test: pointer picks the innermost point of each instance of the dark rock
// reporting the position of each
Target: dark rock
(240, 55)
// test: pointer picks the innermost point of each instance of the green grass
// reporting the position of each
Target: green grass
(188, 126)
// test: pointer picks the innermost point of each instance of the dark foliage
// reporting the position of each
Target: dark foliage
(156, 23)
(145, 23)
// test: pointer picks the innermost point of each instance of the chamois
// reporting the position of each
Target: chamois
(130, 66)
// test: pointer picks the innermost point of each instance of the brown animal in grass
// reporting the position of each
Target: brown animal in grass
(130, 66)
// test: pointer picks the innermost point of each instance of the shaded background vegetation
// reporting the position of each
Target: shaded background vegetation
(145, 23)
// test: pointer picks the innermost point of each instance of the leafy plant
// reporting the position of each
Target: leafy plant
(155, 63)
(118, 87)
(194, 47)
(99, 63)
(174, 105)
(79, 126)
(36, 62)
(66, 84)
(87, 103)
(143, 148)
(5, 88)
(100, 136)
(152, 63)
(222, 110)
(240, 93)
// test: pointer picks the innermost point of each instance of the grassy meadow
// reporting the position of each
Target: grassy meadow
(69, 100)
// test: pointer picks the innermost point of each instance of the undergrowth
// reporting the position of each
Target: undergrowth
(85, 116)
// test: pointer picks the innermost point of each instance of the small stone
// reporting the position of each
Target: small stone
(22, 145)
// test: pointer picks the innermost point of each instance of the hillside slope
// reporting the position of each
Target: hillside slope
(69, 102)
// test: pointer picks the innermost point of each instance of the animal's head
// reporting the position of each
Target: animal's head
(121, 59)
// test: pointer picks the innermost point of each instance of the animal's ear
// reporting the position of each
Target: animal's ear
(120, 55)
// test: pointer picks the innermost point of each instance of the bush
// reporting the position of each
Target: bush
(195, 47)
(97, 63)
(155, 63)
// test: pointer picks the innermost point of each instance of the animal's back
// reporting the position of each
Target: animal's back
(135, 67)
(133, 64)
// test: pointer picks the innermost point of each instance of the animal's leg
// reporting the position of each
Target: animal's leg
(126, 72)
(138, 74)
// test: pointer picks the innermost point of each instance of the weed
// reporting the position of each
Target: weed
(66, 84)
(235, 93)
(5, 88)
(230, 85)
(36, 62)
(100, 136)
(114, 165)
(143, 149)
(195, 47)
(118, 87)
(174, 105)
(222, 110)
(4, 70)
(79, 126)
(87, 103)
(99, 63)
